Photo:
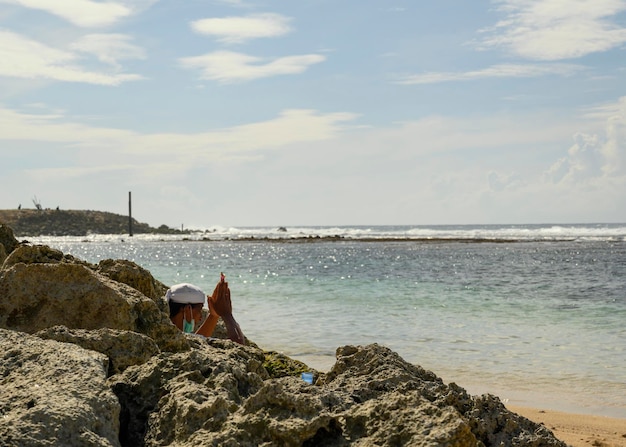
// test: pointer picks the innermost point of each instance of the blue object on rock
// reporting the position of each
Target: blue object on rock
(307, 377)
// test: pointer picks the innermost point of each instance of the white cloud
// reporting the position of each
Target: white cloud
(28, 59)
(499, 182)
(495, 71)
(232, 2)
(240, 29)
(228, 66)
(595, 156)
(21, 55)
(113, 156)
(52, 128)
(83, 13)
(606, 111)
(614, 149)
(109, 48)
(243, 141)
(459, 170)
(583, 161)
(290, 127)
(556, 29)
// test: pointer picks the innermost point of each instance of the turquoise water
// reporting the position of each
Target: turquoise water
(537, 317)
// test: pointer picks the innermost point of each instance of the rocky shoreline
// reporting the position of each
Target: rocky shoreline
(49, 222)
(89, 357)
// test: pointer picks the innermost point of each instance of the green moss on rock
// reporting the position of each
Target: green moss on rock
(279, 365)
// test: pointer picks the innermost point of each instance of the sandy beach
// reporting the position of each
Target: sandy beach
(578, 430)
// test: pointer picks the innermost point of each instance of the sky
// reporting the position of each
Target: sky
(316, 112)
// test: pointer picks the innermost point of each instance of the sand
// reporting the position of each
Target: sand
(578, 430)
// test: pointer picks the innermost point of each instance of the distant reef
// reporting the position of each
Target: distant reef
(48, 222)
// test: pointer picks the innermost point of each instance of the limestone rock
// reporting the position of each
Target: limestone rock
(375, 373)
(280, 365)
(123, 348)
(219, 393)
(137, 277)
(38, 296)
(172, 395)
(54, 394)
(496, 425)
(38, 254)
(8, 243)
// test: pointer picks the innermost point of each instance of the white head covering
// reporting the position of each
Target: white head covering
(186, 294)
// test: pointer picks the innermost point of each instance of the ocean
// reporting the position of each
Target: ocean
(535, 314)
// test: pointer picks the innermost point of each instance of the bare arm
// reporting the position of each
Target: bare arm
(220, 303)
(208, 326)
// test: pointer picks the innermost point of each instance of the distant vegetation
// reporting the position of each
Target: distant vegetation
(46, 222)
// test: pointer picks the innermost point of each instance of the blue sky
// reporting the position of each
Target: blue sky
(316, 112)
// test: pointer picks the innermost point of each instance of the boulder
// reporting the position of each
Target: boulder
(8, 243)
(38, 254)
(387, 388)
(137, 277)
(54, 393)
(174, 394)
(220, 393)
(37, 296)
(122, 348)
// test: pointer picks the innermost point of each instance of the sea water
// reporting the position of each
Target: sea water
(535, 314)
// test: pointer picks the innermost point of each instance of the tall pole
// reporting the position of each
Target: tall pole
(130, 216)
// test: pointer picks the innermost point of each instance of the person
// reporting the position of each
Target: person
(186, 302)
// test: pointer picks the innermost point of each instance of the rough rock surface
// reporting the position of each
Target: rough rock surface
(38, 254)
(122, 348)
(54, 394)
(106, 367)
(8, 243)
(137, 277)
(41, 288)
